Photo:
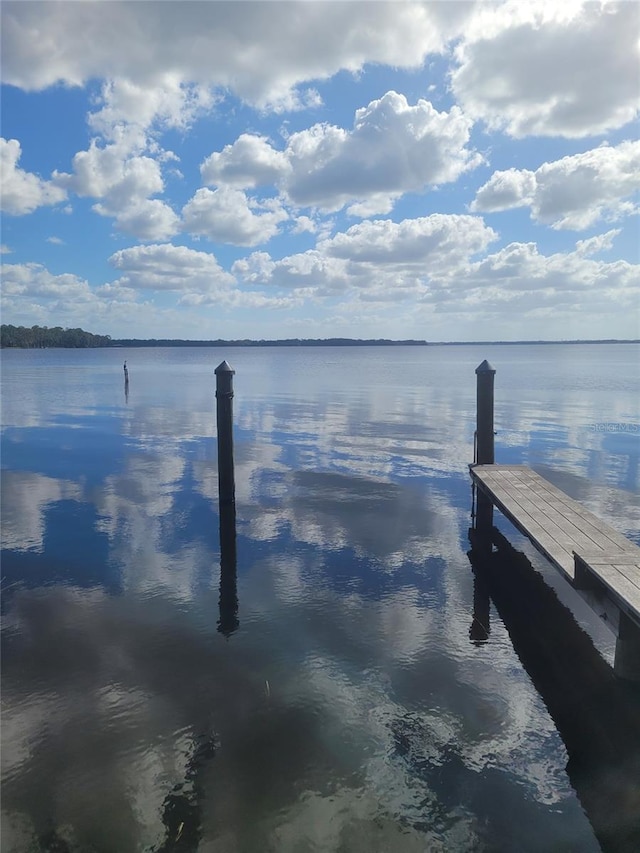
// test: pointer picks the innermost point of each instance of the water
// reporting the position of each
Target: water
(328, 693)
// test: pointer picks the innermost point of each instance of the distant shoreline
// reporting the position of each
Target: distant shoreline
(19, 337)
(351, 342)
(177, 344)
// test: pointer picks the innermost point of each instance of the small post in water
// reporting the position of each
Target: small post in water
(224, 413)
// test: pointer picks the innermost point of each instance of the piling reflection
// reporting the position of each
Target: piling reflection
(480, 626)
(597, 716)
(183, 805)
(228, 602)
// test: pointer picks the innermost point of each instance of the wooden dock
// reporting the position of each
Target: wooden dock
(590, 553)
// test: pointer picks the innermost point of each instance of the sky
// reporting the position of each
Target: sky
(440, 170)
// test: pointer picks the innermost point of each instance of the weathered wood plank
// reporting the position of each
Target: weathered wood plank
(625, 593)
(618, 558)
(561, 528)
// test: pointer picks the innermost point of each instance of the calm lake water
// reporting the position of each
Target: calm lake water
(340, 677)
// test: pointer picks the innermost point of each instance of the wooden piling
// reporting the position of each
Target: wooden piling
(627, 657)
(484, 447)
(484, 414)
(224, 415)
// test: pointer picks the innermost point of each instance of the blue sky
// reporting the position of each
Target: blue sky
(446, 171)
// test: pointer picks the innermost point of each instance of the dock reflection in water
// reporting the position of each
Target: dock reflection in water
(596, 714)
(341, 705)
(228, 604)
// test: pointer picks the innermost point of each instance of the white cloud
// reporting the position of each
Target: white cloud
(36, 281)
(124, 184)
(250, 161)
(56, 241)
(166, 103)
(555, 69)
(169, 268)
(227, 215)
(110, 171)
(31, 294)
(5, 250)
(123, 167)
(122, 308)
(574, 192)
(595, 245)
(260, 51)
(439, 241)
(506, 189)
(520, 272)
(310, 273)
(393, 148)
(304, 224)
(381, 260)
(533, 68)
(426, 266)
(23, 192)
(147, 218)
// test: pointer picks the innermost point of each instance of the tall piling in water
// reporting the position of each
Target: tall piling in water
(485, 454)
(484, 445)
(224, 416)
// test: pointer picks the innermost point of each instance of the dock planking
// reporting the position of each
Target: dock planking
(584, 548)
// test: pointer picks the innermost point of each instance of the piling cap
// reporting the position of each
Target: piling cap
(224, 367)
(485, 367)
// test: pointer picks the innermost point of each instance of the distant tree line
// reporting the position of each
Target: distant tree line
(39, 337)
(284, 342)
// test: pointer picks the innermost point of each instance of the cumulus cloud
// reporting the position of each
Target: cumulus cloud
(440, 240)
(574, 192)
(123, 183)
(504, 190)
(432, 265)
(249, 162)
(393, 148)
(168, 102)
(123, 166)
(196, 276)
(23, 192)
(227, 215)
(32, 294)
(532, 68)
(382, 258)
(262, 52)
(166, 267)
(520, 268)
(36, 281)
(107, 170)
(597, 244)
(147, 218)
(550, 69)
